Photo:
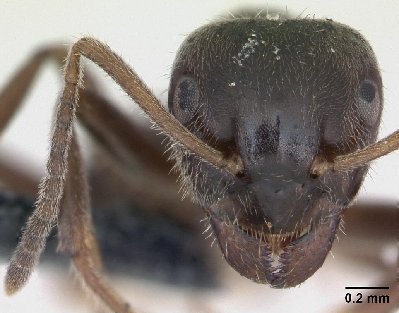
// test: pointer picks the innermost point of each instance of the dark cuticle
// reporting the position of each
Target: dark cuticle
(287, 130)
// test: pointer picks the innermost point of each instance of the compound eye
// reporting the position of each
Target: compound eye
(368, 102)
(367, 91)
(185, 99)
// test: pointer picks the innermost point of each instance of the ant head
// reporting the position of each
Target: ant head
(278, 94)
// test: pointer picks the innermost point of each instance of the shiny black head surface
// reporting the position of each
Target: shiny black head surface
(279, 93)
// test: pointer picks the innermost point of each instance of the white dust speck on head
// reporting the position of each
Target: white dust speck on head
(247, 49)
(275, 51)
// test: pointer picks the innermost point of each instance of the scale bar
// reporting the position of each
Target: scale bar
(366, 287)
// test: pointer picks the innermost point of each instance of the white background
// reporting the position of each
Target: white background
(147, 34)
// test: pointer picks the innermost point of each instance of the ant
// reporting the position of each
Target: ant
(272, 126)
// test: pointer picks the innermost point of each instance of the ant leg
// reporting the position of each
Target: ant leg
(52, 188)
(47, 210)
(77, 240)
(45, 215)
(76, 233)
